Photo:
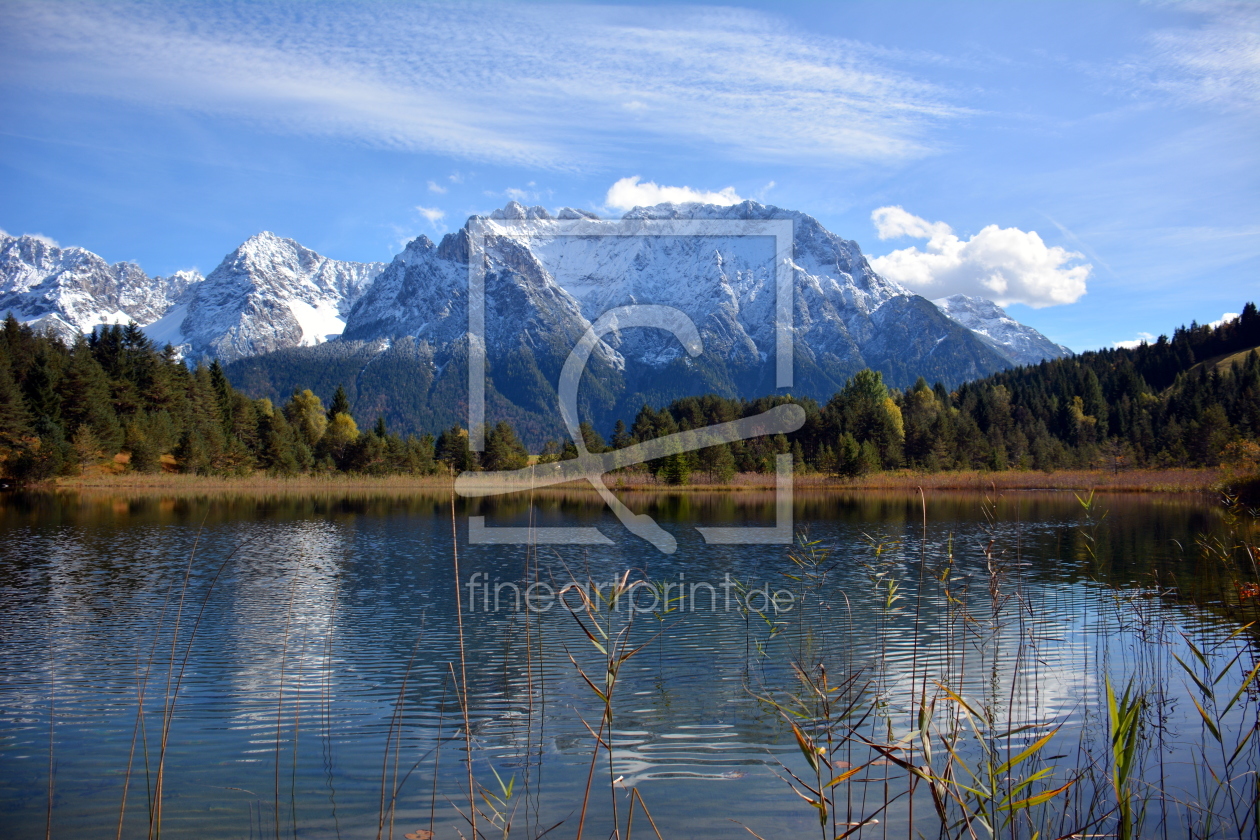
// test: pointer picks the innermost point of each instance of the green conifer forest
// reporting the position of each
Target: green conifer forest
(114, 400)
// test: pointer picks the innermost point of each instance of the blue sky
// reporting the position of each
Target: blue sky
(1096, 166)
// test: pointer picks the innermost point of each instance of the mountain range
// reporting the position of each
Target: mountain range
(395, 335)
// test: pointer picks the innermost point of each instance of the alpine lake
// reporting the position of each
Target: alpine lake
(952, 665)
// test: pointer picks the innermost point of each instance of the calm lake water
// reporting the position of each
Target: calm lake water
(300, 657)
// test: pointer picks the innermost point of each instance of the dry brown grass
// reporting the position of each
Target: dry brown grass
(180, 484)
(1102, 481)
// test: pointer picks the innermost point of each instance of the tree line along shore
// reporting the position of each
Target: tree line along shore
(1170, 414)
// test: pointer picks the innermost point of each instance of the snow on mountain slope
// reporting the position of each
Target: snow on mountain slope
(424, 293)
(726, 284)
(73, 290)
(268, 294)
(1022, 344)
(846, 316)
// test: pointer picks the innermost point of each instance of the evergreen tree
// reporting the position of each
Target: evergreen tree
(453, 451)
(848, 459)
(138, 442)
(15, 419)
(85, 397)
(621, 436)
(40, 391)
(191, 455)
(504, 450)
(340, 404)
(280, 450)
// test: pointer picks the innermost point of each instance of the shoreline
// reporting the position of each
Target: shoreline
(1099, 481)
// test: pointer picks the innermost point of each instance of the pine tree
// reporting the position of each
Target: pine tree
(40, 391)
(15, 419)
(848, 457)
(453, 451)
(138, 441)
(621, 437)
(340, 404)
(504, 450)
(278, 445)
(86, 399)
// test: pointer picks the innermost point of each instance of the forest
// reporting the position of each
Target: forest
(112, 401)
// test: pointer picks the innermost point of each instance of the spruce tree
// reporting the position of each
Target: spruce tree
(15, 419)
(453, 451)
(40, 391)
(86, 399)
(504, 450)
(340, 404)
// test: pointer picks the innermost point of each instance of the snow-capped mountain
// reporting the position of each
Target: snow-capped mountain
(846, 316)
(403, 347)
(543, 290)
(1022, 344)
(268, 294)
(73, 290)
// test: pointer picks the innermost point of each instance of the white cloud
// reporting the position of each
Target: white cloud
(1147, 338)
(894, 222)
(435, 187)
(1143, 338)
(433, 215)
(1005, 265)
(1228, 316)
(506, 83)
(47, 240)
(630, 192)
(39, 237)
(530, 194)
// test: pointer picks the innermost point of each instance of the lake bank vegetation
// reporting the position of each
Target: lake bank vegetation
(112, 404)
(1188, 480)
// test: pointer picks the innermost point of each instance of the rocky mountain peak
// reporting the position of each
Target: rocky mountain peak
(72, 290)
(516, 212)
(1019, 343)
(269, 293)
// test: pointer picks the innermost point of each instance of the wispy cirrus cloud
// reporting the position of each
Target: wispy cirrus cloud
(1215, 63)
(528, 84)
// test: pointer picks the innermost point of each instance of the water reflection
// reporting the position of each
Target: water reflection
(321, 640)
